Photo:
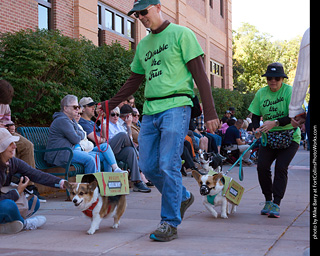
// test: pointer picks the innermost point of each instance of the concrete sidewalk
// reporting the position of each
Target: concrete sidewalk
(244, 233)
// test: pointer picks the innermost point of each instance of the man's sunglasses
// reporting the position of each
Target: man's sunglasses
(74, 107)
(143, 12)
(275, 78)
(114, 114)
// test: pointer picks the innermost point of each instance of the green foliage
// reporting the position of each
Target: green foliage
(253, 51)
(44, 66)
(224, 99)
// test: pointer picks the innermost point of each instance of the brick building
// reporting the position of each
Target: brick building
(104, 21)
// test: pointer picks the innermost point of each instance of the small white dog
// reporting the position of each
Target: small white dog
(211, 188)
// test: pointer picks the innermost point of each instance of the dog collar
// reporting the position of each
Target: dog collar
(88, 212)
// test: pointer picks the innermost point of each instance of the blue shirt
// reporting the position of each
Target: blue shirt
(231, 135)
(88, 126)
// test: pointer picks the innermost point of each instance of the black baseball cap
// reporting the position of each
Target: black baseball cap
(126, 109)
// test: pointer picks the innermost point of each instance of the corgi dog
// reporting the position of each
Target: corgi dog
(86, 197)
(211, 188)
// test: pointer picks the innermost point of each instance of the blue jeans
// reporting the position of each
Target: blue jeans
(9, 210)
(106, 157)
(88, 160)
(161, 141)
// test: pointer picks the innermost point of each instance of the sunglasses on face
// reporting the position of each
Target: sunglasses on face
(135, 115)
(143, 12)
(275, 78)
(75, 107)
(114, 114)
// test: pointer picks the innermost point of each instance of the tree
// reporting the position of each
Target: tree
(43, 66)
(253, 51)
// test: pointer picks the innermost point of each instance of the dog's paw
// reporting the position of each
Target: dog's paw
(214, 214)
(224, 216)
(116, 225)
(91, 231)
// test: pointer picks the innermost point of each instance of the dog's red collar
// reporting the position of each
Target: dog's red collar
(88, 212)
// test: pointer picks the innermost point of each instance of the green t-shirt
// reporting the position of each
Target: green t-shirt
(274, 105)
(162, 59)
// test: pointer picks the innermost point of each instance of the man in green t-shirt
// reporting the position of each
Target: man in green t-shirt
(169, 58)
(272, 103)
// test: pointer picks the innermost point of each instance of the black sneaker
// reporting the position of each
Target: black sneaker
(186, 204)
(164, 233)
(141, 187)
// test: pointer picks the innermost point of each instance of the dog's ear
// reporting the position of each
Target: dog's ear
(220, 176)
(196, 175)
(92, 186)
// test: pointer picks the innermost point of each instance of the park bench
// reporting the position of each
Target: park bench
(39, 137)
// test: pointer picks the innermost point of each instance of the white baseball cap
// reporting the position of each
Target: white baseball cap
(87, 101)
(6, 139)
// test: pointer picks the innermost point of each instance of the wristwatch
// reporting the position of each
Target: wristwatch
(277, 123)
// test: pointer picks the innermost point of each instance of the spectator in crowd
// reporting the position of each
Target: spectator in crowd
(135, 126)
(122, 145)
(131, 101)
(25, 149)
(233, 111)
(272, 103)
(227, 115)
(232, 140)
(106, 154)
(65, 132)
(245, 136)
(11, 220)
(225, 126)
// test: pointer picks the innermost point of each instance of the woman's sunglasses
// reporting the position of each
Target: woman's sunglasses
(114, 114)
(143, 12)
(271, 78)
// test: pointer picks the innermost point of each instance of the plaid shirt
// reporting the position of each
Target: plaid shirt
(199, 122)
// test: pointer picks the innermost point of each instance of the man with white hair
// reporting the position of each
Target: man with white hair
(65, 132)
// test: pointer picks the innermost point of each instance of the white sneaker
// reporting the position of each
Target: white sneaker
(119, 170)
(34, 222)
(11, 227)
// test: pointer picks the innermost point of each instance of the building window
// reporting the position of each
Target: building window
(221, 8)
(119, 24)
(109, 19)
(130, 28)
(211, 3)
(216, 69)
(44, 14)
(114, 21)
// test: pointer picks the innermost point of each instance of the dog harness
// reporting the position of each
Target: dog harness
(227, 180)
(211, 199)
(88, 212)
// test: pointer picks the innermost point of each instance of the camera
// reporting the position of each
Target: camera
(16, 178)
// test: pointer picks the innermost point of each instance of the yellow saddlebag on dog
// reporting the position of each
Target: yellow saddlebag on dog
(232, 190)
(110, 183)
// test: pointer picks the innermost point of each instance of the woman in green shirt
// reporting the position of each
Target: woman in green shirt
(282, 140)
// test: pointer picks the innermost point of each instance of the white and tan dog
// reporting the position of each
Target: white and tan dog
(86, 197)
(211, 188)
